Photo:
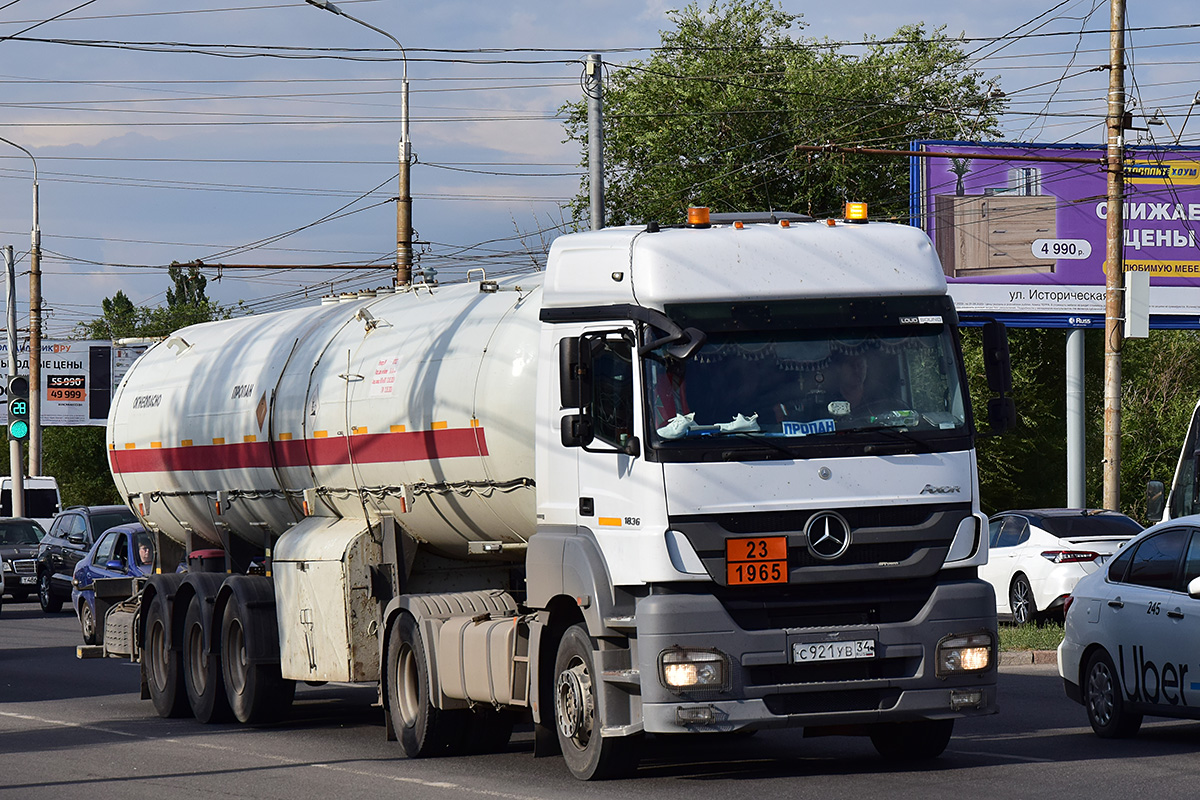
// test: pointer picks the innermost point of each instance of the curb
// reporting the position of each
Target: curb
(1010, 658)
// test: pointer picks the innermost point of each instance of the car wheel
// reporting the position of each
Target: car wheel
(50, 603)
(1105, 702)
(87, 622)
(1020, 600)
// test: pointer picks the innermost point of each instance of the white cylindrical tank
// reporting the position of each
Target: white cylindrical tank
(422, 393)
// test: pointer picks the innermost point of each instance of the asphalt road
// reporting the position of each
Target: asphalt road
(76, 729)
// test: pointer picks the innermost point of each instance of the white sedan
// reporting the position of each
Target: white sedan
(1132, 640)
(1035, 557)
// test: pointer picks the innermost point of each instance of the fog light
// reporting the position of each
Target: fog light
(703, 715)
(693, 669)
(960, 654)
(970, 698)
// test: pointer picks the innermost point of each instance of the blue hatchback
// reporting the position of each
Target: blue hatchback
(126, 551)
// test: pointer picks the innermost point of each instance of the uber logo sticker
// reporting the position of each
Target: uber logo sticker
(1149, 681)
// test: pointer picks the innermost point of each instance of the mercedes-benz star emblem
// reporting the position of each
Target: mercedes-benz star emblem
(828, 535)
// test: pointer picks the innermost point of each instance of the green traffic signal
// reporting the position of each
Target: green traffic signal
(18, 408)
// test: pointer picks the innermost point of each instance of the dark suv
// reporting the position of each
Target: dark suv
(71, 536)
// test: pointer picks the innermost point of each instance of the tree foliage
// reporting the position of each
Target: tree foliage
(711, 119)
(187, 304)
(1026, 468)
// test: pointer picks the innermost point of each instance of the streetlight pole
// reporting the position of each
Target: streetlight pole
(404, 253)
(35, 327)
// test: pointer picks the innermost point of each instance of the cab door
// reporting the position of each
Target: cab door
(621, 498)
(1151, 625)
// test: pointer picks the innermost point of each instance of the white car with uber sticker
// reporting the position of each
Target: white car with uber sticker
(1132, 642)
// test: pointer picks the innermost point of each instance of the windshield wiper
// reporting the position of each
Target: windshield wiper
(758, 438)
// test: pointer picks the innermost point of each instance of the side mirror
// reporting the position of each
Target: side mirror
(996, 362)
(1002, 414)
(1156, 501)
(577, 431)
(1193, 588)
(574, 372)
(76, 538)
(116, 565)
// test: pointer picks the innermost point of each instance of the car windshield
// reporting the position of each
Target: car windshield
(1089, 526)
(806, 385)
(22, 532)
(110, 519)
(41, 503)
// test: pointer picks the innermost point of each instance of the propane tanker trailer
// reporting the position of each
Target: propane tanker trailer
(692, 479)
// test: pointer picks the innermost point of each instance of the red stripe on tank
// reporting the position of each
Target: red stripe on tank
(367, 448)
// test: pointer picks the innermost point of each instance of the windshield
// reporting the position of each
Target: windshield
(20, 532)
(798, 387)
(38, 503)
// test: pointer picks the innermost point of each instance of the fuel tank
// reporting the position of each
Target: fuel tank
(418, 402)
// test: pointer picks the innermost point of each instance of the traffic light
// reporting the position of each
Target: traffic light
(18, 408)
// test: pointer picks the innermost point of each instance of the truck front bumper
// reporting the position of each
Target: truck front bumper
(766, 687)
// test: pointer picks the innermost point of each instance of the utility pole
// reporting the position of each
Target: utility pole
(1114, 258)
(35, 341)
(16, 467)
(594, 88)
(404, 257)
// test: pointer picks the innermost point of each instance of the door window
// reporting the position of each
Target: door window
(1013, 531)
(611, 403)
(1157, 559)
(105, 550)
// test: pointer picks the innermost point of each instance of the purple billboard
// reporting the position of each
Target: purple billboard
(1025, 240)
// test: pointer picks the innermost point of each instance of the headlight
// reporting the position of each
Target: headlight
(8, 567)
(964, 654)
(693, 669)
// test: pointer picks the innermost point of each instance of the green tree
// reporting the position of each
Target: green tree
(1026, 468)
(712, 117)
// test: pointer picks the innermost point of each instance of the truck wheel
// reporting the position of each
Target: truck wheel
(87, 622)
(201, 670)
(50, 603)
(589, 755)
(1104, 701)
(256, 692)
(423, 730)
(161, 665)
(912, 741)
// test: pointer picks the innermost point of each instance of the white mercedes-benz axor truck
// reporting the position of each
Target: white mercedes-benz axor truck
(688, 479)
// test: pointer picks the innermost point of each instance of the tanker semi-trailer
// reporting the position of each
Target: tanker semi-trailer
(694, 479)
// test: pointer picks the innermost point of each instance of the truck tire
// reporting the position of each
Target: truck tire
(589, 755)
(912, 741)
(256, 692)
(422, 729)
(1104, 700)
(161, 665)
(87, 622)
(202, 670)
(50, 603)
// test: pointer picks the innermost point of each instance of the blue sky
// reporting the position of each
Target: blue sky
(173, 132)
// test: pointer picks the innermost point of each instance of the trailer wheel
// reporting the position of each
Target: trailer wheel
(589, 755)
(912, 741)
(423, 730)
(202, 670)
(256, 692)
(161, 664)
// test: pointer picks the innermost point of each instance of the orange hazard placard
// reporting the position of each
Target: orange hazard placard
(756, 560)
